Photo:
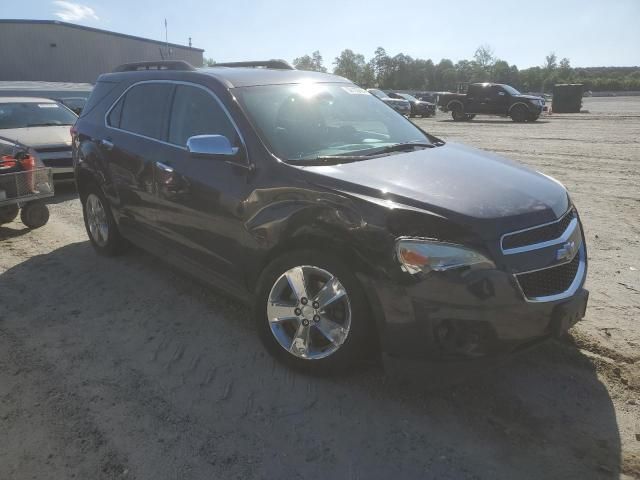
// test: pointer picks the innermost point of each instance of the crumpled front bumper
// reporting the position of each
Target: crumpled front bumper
(452, 317)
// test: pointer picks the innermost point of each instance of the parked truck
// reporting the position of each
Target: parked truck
(491, 99)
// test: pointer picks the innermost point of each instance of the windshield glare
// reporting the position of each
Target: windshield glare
(33, 114)
(378, 93)
(306, 121)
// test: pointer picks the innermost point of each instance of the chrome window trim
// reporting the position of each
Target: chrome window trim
(573, 288)
(547, 243)
(174, 82)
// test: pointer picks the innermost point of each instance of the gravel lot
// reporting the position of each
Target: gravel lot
(124, 368)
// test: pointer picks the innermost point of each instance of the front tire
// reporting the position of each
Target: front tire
(98, 220)
(519, 114)
(312, 314)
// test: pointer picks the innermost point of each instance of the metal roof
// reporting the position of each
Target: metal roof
(25, 100)
(44, 86)
(97, 30)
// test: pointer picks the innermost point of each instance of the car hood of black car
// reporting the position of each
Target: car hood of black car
(453, 180)
(396, 100)
(529, 97)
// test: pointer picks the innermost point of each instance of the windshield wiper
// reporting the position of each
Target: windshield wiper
(325, 159)
(398, 147)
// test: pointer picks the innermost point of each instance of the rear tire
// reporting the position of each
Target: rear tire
(98, 220)
(457, 113)
(34, 214)
(533, 118)
(519, 114)
(8, 213)
(312, 314)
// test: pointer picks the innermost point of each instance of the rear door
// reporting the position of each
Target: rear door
(477, 99)
(136, 129)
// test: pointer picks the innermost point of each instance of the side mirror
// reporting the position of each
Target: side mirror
(210, 145)
(502, 94)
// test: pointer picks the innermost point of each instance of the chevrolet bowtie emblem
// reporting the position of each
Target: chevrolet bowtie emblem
(567, 251)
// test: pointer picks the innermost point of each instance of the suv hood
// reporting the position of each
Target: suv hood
(39, 136)
(457, 182)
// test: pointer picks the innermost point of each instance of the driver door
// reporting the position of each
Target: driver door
(200, 198)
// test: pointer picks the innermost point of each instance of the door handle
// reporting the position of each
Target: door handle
(108, 144)
(164, 167)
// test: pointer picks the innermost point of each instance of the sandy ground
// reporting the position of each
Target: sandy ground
(124, 368)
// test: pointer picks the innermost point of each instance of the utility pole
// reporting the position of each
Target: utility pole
(166, 35)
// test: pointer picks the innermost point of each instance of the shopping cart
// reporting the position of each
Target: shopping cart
(23, 192)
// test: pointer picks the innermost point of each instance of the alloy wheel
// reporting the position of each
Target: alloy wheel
(309, 312)
(97, 220)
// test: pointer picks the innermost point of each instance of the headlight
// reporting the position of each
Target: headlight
(418, 255)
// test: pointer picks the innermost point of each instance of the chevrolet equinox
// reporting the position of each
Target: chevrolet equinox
(346, 227)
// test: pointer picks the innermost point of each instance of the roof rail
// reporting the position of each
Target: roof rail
(274, 64)
(156, 65)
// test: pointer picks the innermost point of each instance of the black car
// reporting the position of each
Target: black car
(491, 99)
(344, 225)
(418, 107)
(400, 105)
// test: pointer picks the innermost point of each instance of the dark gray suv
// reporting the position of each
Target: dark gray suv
(347, 228)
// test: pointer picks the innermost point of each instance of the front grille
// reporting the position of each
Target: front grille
(550, 281)
(540, 234)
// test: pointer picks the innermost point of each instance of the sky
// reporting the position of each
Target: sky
(588, 32)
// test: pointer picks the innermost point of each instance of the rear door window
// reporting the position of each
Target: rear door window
(196, 112)
(145, 110)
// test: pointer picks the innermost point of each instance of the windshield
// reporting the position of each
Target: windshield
(511, 90)
(307, 121)
(406, 96)
(33, 114)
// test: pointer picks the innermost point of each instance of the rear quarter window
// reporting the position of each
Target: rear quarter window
(99, 92)
(145, 109)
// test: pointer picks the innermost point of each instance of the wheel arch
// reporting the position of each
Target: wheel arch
(335, 245)
(453, 102)
(84, 179)
(518, 103)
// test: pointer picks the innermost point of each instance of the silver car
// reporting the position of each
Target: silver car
(43, 125)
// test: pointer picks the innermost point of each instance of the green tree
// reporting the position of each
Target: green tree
(484, 57)
(350, 65)
(501, 72)
(311, 63)
(445, 75)
(381, 64)
(550, 61)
